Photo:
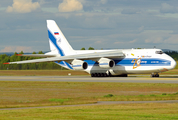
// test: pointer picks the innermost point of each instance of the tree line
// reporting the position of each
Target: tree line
(31, 66)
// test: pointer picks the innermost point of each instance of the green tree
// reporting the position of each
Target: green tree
(21, 52)
(90, 48)
(34, 53)
(40, 52)
(83, 48)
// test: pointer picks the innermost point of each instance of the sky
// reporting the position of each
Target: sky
(101, 24)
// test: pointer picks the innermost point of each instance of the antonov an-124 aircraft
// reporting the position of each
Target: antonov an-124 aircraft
(102, 63)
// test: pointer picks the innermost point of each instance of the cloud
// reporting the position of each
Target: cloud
(16, 49)
(154, 40)
(70, 6)
(126, 42)
(103, 1)
(166, 8)
(133, 41)
(119, 42)
(98, 42)
(172, 40)
(141, 29)
(130, 11)
(42, 2)
(23, 6)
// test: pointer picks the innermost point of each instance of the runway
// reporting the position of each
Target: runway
(133, 79)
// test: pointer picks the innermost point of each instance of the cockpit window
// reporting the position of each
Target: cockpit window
(159, 52)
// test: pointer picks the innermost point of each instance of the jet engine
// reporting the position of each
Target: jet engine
(79, 65)
(106, 63)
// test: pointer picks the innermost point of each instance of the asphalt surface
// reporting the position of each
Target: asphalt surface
(133, 79)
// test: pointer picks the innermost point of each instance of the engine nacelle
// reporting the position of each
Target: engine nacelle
(79, 65)
(106, 63)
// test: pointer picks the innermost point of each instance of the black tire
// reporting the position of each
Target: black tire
(125, 75)
(152, 75)
(105, 75)
(157, 75)
(102, 75)
(96, 75)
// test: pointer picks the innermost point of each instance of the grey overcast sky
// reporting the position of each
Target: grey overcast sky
(100, 24)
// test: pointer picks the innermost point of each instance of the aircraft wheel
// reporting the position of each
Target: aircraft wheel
(102, 75)
(157, 75)
(98, 74)
(125, 75)
(105, 75)
(95, 74)
(154, 75)
(92, 75)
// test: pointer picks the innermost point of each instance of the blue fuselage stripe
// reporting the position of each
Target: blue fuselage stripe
(130, 62)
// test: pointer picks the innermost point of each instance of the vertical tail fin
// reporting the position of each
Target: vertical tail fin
(58, 42)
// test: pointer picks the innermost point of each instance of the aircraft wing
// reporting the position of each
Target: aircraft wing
(88, 56)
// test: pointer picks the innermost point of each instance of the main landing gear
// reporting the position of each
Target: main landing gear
(106, 75)
(99, 75)
(154, 75)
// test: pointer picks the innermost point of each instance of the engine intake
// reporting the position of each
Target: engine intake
(106, 63)
(79, 65)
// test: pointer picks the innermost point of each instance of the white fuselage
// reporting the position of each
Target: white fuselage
(134, 61)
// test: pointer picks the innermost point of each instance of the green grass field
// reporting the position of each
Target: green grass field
(16, 94)
(150, 111)
(24, 94)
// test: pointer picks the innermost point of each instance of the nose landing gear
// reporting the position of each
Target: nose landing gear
(154, 75)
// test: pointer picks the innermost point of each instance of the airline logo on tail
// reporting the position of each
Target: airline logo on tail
(56, 33)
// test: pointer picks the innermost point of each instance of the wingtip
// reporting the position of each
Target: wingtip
(18, 54)
(5, 63)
